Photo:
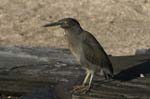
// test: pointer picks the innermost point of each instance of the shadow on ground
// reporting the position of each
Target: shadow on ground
(133, 72)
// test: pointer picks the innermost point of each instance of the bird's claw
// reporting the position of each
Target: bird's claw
(81, 89)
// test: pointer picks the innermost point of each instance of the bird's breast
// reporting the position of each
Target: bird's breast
(74, 46)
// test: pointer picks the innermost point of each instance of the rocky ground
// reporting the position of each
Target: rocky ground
(121, 26)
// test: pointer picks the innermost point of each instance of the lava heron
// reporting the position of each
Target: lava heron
(88, 52)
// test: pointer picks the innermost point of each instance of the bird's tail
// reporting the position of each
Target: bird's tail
(107, 73)
(107, 70)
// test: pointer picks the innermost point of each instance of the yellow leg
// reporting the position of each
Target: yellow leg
(91, 78)
(86, 78)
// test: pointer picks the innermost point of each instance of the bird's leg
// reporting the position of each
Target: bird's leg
(86, 78)
(88, 81)
(84, 82)
(91, 78)
(84, 87)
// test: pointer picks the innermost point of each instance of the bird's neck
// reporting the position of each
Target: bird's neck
(72, 36)
(75, 30)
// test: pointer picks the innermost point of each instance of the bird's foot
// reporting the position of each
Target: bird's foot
(81, 89)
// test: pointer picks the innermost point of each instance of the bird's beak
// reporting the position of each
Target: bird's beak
(52, 24)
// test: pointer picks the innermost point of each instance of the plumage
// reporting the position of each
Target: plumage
(87, 50)
(95, 54)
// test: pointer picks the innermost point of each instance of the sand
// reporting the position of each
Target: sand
(121, 26)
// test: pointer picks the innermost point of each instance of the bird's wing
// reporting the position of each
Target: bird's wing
(93, 51)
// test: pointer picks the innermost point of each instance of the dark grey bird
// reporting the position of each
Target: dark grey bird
(87, 50)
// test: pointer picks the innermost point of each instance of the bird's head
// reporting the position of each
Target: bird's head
(64, 23)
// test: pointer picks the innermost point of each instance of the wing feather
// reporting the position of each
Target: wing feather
(93, 51)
